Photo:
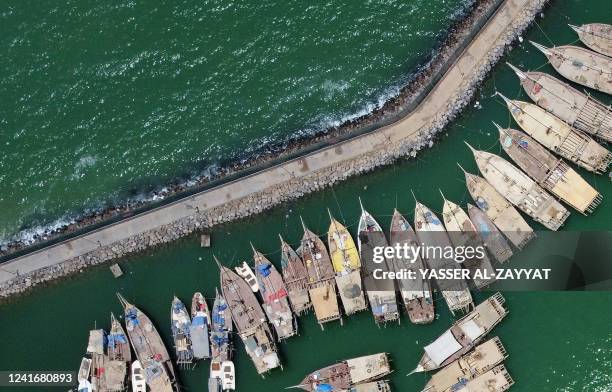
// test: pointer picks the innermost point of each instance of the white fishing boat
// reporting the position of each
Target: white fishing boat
(139, 384)
(246, 273)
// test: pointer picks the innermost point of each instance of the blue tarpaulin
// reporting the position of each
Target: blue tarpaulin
(324, 388)
(264, 269)
(198, 321)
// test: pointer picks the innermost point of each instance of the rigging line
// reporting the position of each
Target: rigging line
(337, 203)
(549, 40)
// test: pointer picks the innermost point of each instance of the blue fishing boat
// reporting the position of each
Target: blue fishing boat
(200, 327)
(181, 324)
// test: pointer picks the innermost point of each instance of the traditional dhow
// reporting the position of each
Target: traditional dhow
(118, 344)
(436, 243)
(180, 323)
(222, 372)
(581, 66)
(415, 293)
(200, 327)
(576, 108)
(105, 374)
(597, 36)
(347, 374)
(520, 190)
(380, 289)
(149, 348)
(550, 172)
(463, 234)
(464, 334)
(474, 364)
(321, 286)
(559, 137)
(295, 277)
(274, 295)
(499, 210)
(493, 239)
(249, 320)
(347, 265)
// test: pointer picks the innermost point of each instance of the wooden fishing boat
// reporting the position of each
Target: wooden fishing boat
(106, 374)
(574, 107)
(451, 378)
(321, 286)
(275, 297)
(345, 375)
(250, 320)
(520, 190)
(550, 172)
(296, 278)
(347, 266)
(415, 293)
(380, 290)
(463, 233)
(464, 334)
(433, 236)
(149, 349)
(559, 137)
(180, 323)
(580, 65)
(499, 210)
(597, 36)
(118, 344)
(221, 365)
(200, 327)
(493, 239)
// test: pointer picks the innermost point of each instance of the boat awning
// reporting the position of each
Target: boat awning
(471, 329)
(442, 348)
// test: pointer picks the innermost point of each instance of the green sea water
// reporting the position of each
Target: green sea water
(105, 102)
(557, 341)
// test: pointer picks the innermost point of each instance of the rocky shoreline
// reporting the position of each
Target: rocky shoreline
(256, 203)
(397, 105)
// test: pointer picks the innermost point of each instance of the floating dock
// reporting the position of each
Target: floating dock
(559, 137)
(432, 234)
(499, 210)
(415, 293)
(275, 297)
(552, 173)
(296, 278)
(250, 320)
(321, 285)
(347, 265)
(463, 233)
(464, 334)
(476, 363)
(576, 108)
(345, 375)
(149, 349)
(581, 66)
(597, 36)
(381, 290)
(493, 239)
(520, 190)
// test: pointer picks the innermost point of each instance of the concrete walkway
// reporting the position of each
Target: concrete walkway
(436, 102)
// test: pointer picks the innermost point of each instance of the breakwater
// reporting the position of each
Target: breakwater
(291, 179)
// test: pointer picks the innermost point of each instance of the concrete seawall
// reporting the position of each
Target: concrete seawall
(289, 180)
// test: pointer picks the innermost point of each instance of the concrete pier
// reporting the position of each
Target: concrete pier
(253, 193)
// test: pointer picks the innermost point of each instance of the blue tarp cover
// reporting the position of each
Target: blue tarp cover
(264, 269)
(324, 388)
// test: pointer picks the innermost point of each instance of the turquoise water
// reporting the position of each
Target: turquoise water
(102, 102)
